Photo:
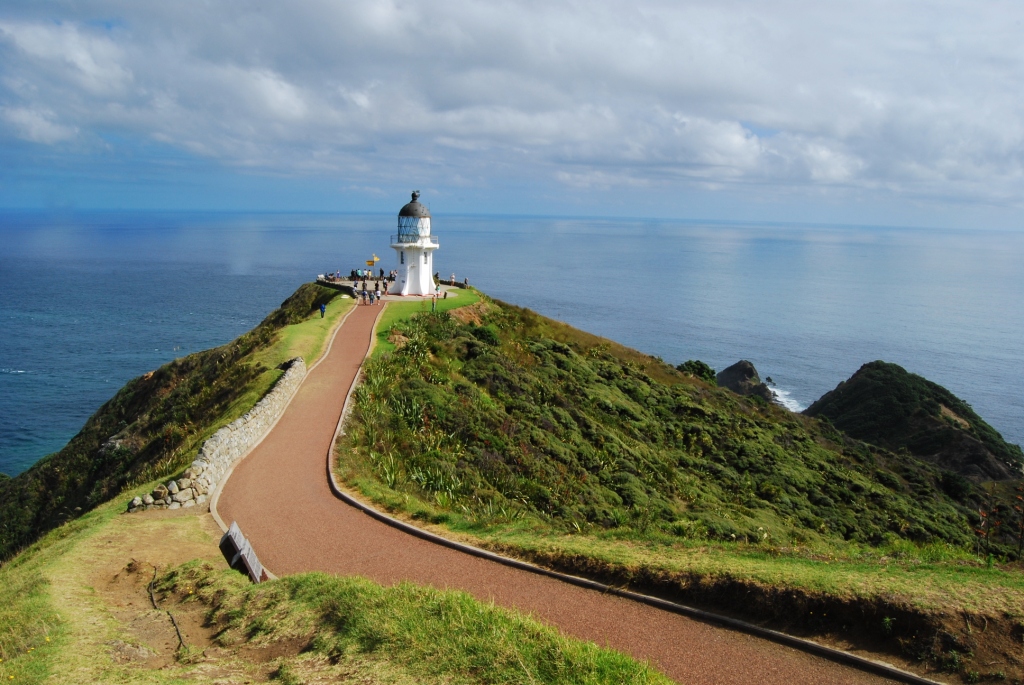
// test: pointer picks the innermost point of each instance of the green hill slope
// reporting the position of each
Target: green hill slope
(149, 428)
(509, 413)
(885, 405)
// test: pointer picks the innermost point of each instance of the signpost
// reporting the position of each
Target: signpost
(240, 554)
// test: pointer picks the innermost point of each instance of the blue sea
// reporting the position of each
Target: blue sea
(90, 300)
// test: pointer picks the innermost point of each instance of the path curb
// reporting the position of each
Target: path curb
(862, 663)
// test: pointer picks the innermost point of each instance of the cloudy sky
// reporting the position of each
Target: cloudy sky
(844, 112)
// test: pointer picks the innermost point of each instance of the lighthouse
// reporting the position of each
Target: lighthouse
(415, 250)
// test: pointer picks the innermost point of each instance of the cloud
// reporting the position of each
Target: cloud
(918, 99)
(37, 126)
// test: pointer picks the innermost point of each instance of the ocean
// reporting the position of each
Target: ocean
(90, 300)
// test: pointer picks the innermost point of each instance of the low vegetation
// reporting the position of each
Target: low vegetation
(500, 416)
(431, 635)
(550, 444)
(153, 425)
(885, 405)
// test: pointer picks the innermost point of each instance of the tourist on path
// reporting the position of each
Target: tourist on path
(377, 289)
(323, 310)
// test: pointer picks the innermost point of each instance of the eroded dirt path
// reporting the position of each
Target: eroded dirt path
(280, 497)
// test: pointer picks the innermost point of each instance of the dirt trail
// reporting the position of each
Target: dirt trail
(281, 499)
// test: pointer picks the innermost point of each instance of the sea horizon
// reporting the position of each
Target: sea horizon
(93, 298)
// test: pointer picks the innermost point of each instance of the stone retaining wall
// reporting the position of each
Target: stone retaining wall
(224, 448)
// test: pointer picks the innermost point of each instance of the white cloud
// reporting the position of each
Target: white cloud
(917, 98)
(62, 51)
(37, 126)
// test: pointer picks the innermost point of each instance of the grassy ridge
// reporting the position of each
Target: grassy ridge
(499, 417)
(443, 636)
(152, 426)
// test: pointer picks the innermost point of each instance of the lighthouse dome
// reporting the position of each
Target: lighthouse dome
(415, 209)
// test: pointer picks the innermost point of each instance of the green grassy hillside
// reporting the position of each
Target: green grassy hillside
(885, 405)
(501, 416)
(153, 425)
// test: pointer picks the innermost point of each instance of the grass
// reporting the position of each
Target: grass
(306, 339)
(34, 629)
(441, 636)
(396, 312)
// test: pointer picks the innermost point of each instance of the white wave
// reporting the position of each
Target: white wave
(787, 400)
(12, 371)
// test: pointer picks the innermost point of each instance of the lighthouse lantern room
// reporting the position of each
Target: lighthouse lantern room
(414, 247)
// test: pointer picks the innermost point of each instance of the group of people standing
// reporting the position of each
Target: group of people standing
(374, 294)
(363, 274)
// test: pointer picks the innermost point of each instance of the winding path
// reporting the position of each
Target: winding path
(280, 497)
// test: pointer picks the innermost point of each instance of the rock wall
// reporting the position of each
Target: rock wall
(224, 448)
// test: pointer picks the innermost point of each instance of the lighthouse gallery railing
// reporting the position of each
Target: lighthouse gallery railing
(412, 238)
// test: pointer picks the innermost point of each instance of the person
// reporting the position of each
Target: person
(377, 289)
(453, 278)
(371, 297)
(323, 310)
(382, 273)
(364, 292)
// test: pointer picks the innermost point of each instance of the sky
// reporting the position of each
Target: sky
(866, 112)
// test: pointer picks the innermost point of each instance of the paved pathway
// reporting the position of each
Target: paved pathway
(280, 497)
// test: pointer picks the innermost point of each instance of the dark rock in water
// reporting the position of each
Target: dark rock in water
(742, 379)
(885, 405)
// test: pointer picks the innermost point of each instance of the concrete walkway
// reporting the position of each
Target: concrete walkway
(280, 497)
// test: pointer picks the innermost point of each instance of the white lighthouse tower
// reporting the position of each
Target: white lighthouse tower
(415, 250)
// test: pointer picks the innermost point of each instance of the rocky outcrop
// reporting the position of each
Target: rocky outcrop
(742, 379)
(224, 448)
(885, 405)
